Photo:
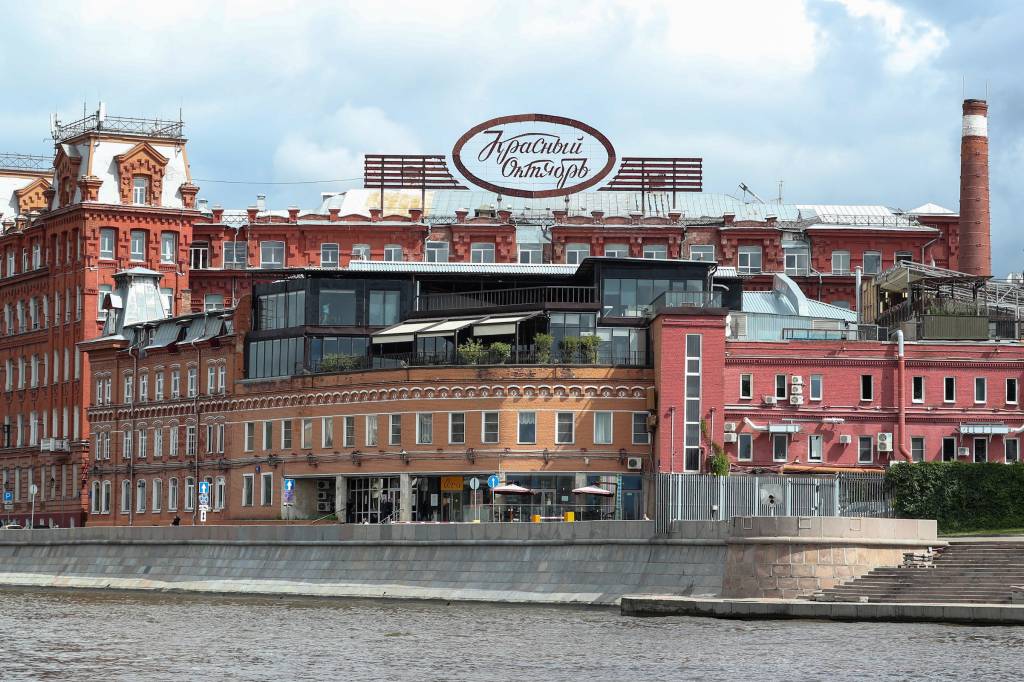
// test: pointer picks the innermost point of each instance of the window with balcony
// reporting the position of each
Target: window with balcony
(168, 248)
(138, 245)
(748, 260)
(481, 252)
(108, 237)
(393, 252)
(271, 255)
(575, 253)
(436, 252)
(531, 253)
(703, 252)
(840, 262)
(140, 190)
(236, 255)
(330, 256)
(199, 256)
(872, 262)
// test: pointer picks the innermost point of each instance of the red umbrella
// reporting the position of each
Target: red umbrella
(511, 489)
(593, 490)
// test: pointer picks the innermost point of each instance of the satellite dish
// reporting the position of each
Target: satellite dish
(772, 495)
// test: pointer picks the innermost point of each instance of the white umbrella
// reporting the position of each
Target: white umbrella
(511, 489)
(593, 490)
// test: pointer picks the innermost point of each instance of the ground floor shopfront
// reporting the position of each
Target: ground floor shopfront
(459, 497)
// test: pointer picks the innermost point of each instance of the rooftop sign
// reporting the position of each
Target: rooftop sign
(534, 156)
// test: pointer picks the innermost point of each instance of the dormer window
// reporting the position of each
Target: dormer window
(140, 189)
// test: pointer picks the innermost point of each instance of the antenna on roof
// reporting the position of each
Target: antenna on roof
(747, 190)
(780, 191)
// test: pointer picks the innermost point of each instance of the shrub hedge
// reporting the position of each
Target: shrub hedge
(960, 496)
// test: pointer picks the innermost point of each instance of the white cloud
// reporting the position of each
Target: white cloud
(910, 42)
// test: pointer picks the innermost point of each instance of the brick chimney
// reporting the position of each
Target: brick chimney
(975, 235)
(332, 214)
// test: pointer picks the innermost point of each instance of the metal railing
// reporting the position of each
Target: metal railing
(862, 332)
(703, 497)
(679, 299)
(487, 357)
(507, 298)
(30, 162)
(125, 125)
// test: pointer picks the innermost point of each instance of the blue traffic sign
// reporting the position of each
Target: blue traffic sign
(289, 485)
(8, 496)
(204, 487)
(493, 481)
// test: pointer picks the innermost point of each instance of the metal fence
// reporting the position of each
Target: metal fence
(703, 497)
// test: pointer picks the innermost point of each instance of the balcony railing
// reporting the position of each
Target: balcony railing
(539, 297)
(29, 162)
(487, 357)
(676, 299)
(125, 125)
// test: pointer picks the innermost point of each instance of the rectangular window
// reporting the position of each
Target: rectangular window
(565, 428)
(140, 189)
(917, 390)
(917, 448)
(190, 440)
(655, 251)
(193, 382)
(213, 302)
(327, 432)
(602, 428)
(980, 389)
(865, 449)
(306, 442)
(286, 434)
(903, 257)
(949, 449)
(745, 447)
(175, 383)
(481, 252)
(872, 262)
(190, 494)
(456, 428)
(167, 297)
(840, 262)
(172, 442)
(236, 255)
(361, 252)
(348, 425)
(138, 245)
(703, 252)
(159, 389)
(1011, 391)
(980, 450)
(108, 237)
(780, 447)
(211, 379)
(266, 488)
(616, 251)
(531, 253)
(641, 436)
(271, 255)
(329, 255)
(867, 387)
(746, 386)
(796, 260)
(949, 390)
(372, 438)
(250, 436)
(172, 494)
(527, 427)
(219, 489)
(816, 386)
(424, 428)
(395, 429)
(748, 260)
(436, 252)
(814, 448)
(248, 481)
(392, 252)
(384, 308)
(1011, 450)
(489, 427)
(168, 247)
(575, 253)
(268, 434)
(781, 386)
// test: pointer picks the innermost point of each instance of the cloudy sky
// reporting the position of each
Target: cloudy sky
(845, 101)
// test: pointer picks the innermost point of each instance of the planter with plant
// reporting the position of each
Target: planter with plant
(570, 349)
(543, 343)
(589, 346)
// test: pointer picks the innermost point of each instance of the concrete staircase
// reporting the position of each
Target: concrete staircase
(969, 572)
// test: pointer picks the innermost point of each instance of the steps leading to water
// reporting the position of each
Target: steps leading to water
(974, 572)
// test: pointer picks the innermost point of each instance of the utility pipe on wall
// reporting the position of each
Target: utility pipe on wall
(901, 410)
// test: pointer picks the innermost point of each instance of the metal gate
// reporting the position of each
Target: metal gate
(703, 497)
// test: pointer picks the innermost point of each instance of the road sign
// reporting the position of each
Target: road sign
(289, 491)
(204, 500)
(204, 487)
(474, 483)
(202, 516)
(8, 496)
(33, 490)
(204, 508)
(493, 481)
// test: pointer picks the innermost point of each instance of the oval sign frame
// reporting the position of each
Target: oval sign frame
(526, 193)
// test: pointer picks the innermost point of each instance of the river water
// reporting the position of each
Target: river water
(110, 636)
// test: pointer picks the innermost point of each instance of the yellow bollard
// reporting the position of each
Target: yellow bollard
(535, 518)
(569, 517)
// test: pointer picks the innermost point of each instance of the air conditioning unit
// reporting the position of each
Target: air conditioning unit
(729, 437)
(963, 452)
(796, 400)
(845, 439)
(634, 463)
(323, 495)
(796, 389)
(730, 427)
(323, 485)
(796, 380)
(768, 399)
(884, 441)
(324, 507)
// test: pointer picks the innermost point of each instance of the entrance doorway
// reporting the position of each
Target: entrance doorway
(369, 496)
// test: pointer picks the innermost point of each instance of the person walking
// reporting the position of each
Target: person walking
(176, 521)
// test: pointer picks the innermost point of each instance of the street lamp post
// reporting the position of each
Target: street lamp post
(32, 490)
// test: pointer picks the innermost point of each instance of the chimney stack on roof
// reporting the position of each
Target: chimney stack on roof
(261, 202)
(975, 228)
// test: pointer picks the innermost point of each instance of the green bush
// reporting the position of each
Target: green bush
(961, 496)
(588, 347)
(570, 349)
(471, 352)
(544, 342)
(718, 461)
(500, 352)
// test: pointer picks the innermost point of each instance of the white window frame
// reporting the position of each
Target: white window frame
(327, 432)
(871, 386)
(372, 425)
(576, 252)
(426, 438)
(483, 427)
(871, 449)
(327, 249)
(248, 490)
(610, 416)
(702, 252)
(864, 262)
(434, 250)
(393, 420)
(269, 250)
(655, 251)
(393, 252)
(134, 255)
(914, 380)
(172, 494)
(306, 433)
(812, 381)
(451, 424)
(980, 397)
(519, 430)
(744, 254)
(1011, 381)
(784, 439)
(781, 389)
(815, 442)
(840, 268)
(140, 190)
(616, 250)
(558, 428)
(360, 252)
(1007, 448)
(745, 444)
(168, 248)
(632, 427)
(947, 382)
(749, 393)
(924, 450)
(106, 234)
(266, 491)
(482, 252)
(532, 252)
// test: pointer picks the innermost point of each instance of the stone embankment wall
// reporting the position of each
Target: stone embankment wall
(590, 562)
